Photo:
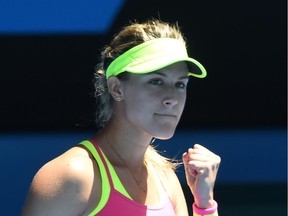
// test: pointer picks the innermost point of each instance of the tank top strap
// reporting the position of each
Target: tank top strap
(99, 151)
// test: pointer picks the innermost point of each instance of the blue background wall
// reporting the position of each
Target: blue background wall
(48, 51)
(253, 160)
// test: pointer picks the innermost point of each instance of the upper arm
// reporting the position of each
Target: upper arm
(60, 187)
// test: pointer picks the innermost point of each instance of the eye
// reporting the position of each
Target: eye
(156, 82)
(181, 85)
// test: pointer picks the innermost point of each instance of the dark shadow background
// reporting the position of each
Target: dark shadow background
(46, 85)
(45, 80)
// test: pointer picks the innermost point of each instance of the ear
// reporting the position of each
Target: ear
(115, 88)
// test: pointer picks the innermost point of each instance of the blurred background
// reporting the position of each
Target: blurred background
(48, 51)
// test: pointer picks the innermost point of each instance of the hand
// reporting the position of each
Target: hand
(201, 167)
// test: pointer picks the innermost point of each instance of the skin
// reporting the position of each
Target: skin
(150, 106)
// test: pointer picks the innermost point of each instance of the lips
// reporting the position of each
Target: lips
(166, 115)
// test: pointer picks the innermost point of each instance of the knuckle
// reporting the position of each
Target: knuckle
(218, 159)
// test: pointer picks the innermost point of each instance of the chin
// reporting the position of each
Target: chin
(165, 135)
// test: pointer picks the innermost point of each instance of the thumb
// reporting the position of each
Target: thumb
(190, 172)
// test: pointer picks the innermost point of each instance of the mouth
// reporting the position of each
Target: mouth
(166, 115)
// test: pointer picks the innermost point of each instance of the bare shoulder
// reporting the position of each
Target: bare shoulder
(64, 181)
(73, 167)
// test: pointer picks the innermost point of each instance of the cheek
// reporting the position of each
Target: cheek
(138, 97)
(181, 101)
(141, 104)
(136, 102)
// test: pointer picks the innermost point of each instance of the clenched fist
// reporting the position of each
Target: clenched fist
(201, 167)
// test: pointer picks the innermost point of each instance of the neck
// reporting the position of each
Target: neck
(124, 156)
(129, 144)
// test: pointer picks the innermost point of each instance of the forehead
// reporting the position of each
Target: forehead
(179, 68)
(176, 70)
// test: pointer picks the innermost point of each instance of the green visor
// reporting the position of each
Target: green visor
(154, 55)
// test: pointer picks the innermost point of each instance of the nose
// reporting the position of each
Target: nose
(170, 101)
(170, 98)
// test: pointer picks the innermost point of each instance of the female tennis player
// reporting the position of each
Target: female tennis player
(140, 86)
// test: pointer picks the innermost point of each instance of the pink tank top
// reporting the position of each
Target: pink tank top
(119, 204)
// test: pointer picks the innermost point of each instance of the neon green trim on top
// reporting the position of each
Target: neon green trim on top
(106, 189)
(213, 214)
(115, 178)
(154, 55)
(105, 183)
